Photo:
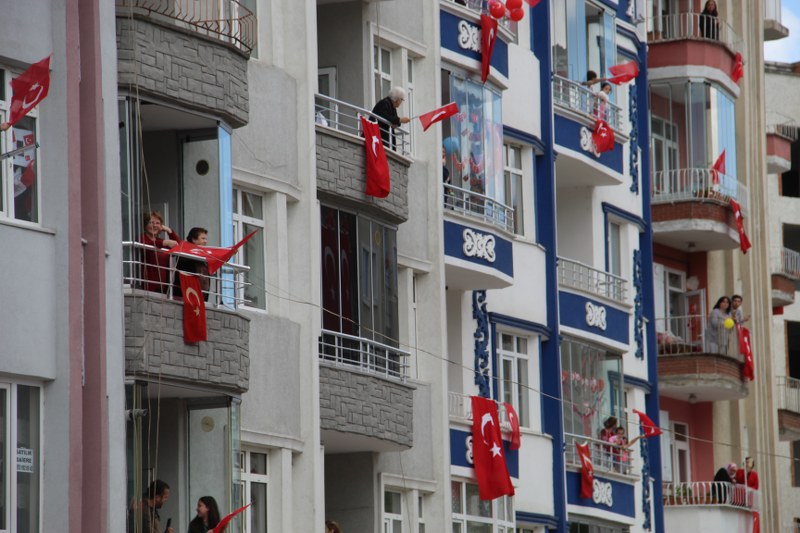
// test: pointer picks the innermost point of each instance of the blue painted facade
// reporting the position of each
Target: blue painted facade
(460, 455)
(572, 309)
(449, 27)
(623, 500)
(568, 135)
(454, 247)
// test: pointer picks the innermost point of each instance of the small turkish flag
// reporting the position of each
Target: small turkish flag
(603, 136)
(587, 469)
(214, 255)
(194, 310)
(623, 73)
(738, 68)
(488, 37)
(718, 168)
(513, 419)
(224, 522)
(29, 89)
(488, 456)
(748, 368)
(744, 242)
(438, 114)
(378, 181)
(649, 427)
(532, 3)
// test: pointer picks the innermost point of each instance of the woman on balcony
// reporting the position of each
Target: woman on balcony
(716, 333)
(709, 21)
(155, 264)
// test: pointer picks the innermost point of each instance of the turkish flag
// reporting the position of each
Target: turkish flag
(603, 136)
(738, 68)
(756, 522)
(438, 114)
(488, 456)
(623, 73)
(587, 469)
(744, 242)
(746, 349)
(214, 255)
(513, 419)
(532, 3)
(29, 88)
(488, 37)
(224, 522)
(194, 309)
(649, 427)
(718, 168)
(378, 182)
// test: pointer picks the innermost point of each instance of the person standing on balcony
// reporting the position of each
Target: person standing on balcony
(601, 105)
(387, 110)
(716, 334)
(709, 21)
(155, 262)
(207, 515)
(150, 519)
(197, 267)
(748, 473)
(736, 305)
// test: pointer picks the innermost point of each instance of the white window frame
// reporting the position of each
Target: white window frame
(520, 385)
(498, 525)
(679, 446)
(239, 220)
(413, 492)
(390, 519)
(379, 73)
(247, 479)
(512, 172)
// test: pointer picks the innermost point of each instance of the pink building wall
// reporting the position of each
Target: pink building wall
(699, 418)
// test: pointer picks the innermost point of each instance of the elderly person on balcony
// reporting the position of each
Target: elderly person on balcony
(156, 263)
(716, 332)
(387, 110)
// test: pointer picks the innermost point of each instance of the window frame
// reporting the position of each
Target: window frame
(463, 518)
(519, 392)
(246, 480)
(239, 220)
(515, 175)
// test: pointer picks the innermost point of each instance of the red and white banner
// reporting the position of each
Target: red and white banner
(603, 136)
(623, 73)
(744, 242)
(649, 427)
(488, 456)
(513, 419)
(29, 88)
(438, 115)
(194, 309)
(214, 255)
(746, 349)
(378, 180)
(488, 37)
(587, 469)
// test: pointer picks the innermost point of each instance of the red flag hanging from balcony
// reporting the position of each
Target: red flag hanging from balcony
(29, 88)
(746, 349)
(603, 136)
(717, 169)
(744, 242)
(587, 469)
(648, 426)
(224, 522)
(437, 115)
(194, 309)
(378, 181)
(623, 73)
(738, 68)
(488, 456)
(214, 256)
(513, 419)
(488, 37)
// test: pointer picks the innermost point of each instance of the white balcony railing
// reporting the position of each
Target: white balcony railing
(368, 356)
(225, 288)
(699, 184)
(695, 335)
(710, 493)
(789, 264)
(476, 205)
(579, 98)
(342, 116)
(606, 457)
(788, 393)
(680, 26)
(459, 407)
(787, 130)
(588, 279)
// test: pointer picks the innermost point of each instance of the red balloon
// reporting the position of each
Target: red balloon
(513, 4)
(516, 14)
(497, 10)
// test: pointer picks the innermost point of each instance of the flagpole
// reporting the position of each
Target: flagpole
(18, 151)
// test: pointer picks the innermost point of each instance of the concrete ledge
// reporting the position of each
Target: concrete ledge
(788, 425)
(709, 377)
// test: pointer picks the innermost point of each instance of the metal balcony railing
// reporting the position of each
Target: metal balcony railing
(579, 276)
(225, 288)
(342, 116)
(680, 26)
(710, 493)
(227, 21)
(789, 263)
(788, 393)
(606, 457)
(371, 357)
(477, 205)
(576, 97)
(695, 335)
(700, 184)
(459, 407)
(787, 130)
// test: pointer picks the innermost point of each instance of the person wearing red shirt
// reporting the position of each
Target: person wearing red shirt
(156, 263)
(750, 472)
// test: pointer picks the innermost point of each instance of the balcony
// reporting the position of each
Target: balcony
(581, 277)
(779, 146)
(785, 277)
(478, 206)
(773, 21)
(366, 403)
(698, 363)
(788, 400)
(583, 102)
(691, 209)
(700, 506)
(459, 409)
(606, 457)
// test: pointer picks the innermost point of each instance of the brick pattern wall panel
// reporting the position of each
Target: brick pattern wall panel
(694, 210)
(183, 68)
(353, 402)
(788, 425)
(154, 345)
(710, 370)
(341, 177)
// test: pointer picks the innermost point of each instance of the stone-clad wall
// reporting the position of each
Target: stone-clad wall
(154, 344)
(182, 67)
(353, 402)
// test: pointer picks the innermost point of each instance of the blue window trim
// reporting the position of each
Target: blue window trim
(523, 137)
(519, 323)
(638, 383)
(625, 215)
(628, 53)
(549, 521)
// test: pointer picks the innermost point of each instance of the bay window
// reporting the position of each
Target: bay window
(248, 216)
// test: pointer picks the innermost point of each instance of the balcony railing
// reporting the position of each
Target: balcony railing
(368, 356)
(476, 205)
(710, 493)
(476, 6)
(787, 130)
(342, 116)
(699, 184)
(459, 407)
(227, 21)
(606, 457)
(682, 26)
(576, 97)
(225, 288)
(788, 393)
(589, 279)
(789, 263)
(695, 335)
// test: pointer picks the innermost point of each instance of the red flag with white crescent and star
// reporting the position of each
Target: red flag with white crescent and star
(532, 3)
(513, 419)
(215, 256)
(377, 166)
(603, 136)
(224, 522)
(717, 169)
(29, 88)
(587, 469)
(488, 37)
(438, 114)
(746, 349)
(744, 242)
(623, 73)
(488, 456)
(648, 426)
(194, 309)
(738, 68)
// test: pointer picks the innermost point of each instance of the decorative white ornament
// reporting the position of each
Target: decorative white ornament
(468, 454)
(595, 316)
(602, 493)
(479, 245)
(629, 12)
(469, 36)
(587, 143)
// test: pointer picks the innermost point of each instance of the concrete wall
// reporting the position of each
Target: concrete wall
(350, 491)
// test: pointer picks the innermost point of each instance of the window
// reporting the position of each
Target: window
(420, 514)
(248, 216)
(512, 168)
(583, 38)
(614, 252)
(382, 72)
(589, 527)
(473, 515)
(392, 512)
(411, 108)
(254, 481)
(514, 388)
(682, 468)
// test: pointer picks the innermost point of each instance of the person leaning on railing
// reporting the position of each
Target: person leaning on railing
(155, 264)
(709, 21)
(387, 110)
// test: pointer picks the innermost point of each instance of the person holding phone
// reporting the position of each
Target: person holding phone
(146, 510)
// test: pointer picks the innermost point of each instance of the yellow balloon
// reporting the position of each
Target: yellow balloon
(729, 323)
